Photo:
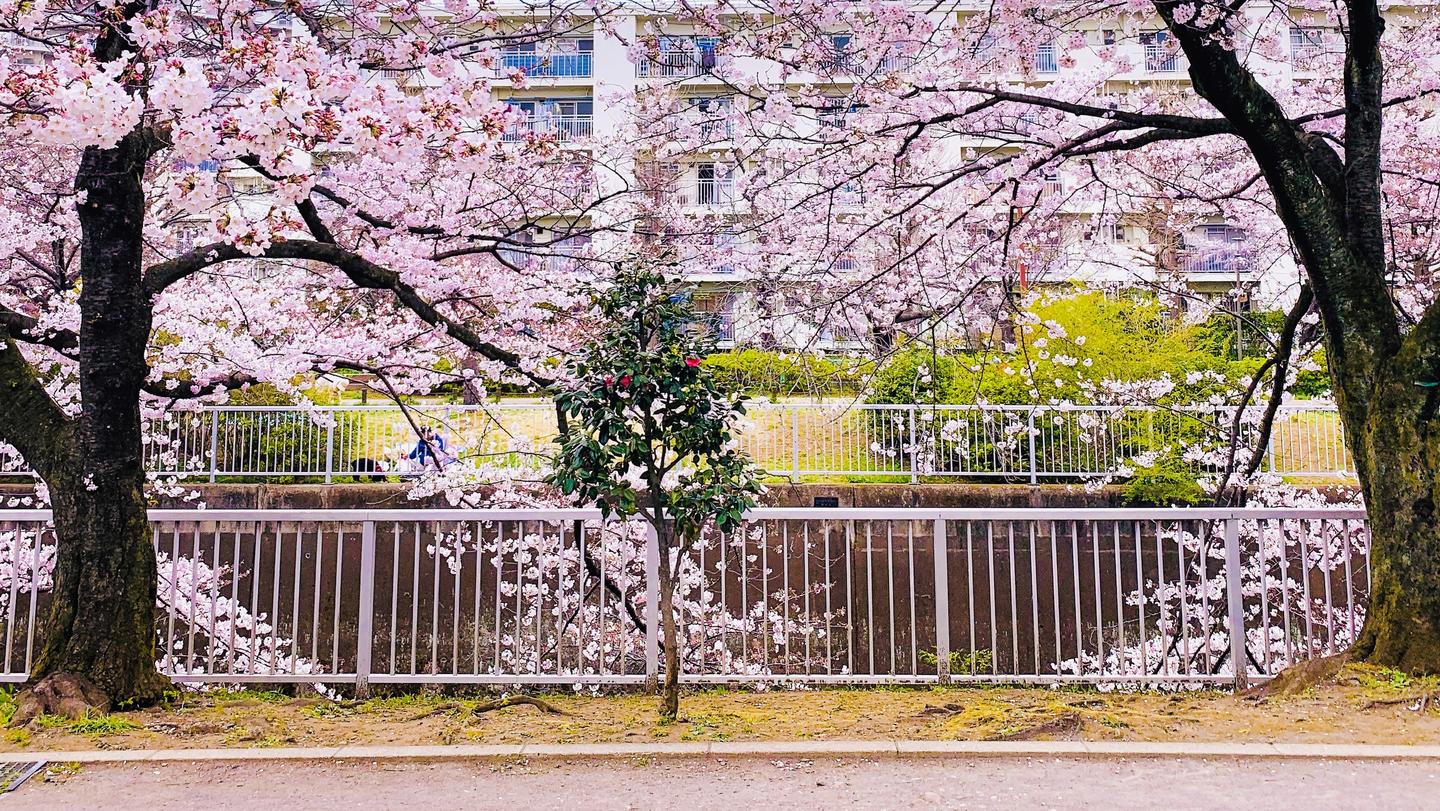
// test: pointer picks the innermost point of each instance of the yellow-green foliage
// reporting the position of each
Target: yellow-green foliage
(1065, 348)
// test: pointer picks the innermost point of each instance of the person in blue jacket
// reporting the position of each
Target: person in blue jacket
(430, 448)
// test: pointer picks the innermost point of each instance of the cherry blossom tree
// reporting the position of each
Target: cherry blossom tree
(998, 114)
(201, 196)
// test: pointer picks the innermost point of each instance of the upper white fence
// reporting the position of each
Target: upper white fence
(1016, 443)
(1143, 597)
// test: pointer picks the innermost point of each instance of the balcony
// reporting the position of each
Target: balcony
(714, 192)
(548, 66)
(685, 61)
(1218, 260)
(711, 119)
(1311, 47)
(562, 127)
(1160, 59)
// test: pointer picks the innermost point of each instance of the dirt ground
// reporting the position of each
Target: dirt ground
(1361, 705)
(725, 784)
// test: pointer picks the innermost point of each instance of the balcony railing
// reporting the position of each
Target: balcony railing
(1045, 60)
(721, 326)
(679, 64)
(569, 65)
(1217, 260)
(708, 192)
(563, 127)
(1160, 59)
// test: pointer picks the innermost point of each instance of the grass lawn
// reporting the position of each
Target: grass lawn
(1361, 705)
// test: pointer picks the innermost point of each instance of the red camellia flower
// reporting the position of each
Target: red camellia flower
(625, 381)
(692, 362)
(609, 381)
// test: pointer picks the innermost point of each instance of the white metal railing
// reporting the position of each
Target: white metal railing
(680, 63)
(713, 192)
(563, 127)
(1046, 59)
(552, 65)
(1160, 58)
(559, 596)
(1016, 443)
(1218, 260)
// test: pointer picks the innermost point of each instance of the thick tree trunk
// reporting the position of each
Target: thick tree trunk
(1398, 458)
(102, 617)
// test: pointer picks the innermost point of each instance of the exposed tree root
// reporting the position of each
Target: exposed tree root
(1298, 678)
(946, 710)
(1418, 703)
(65, 694)
(1067, 724)
(495, 704)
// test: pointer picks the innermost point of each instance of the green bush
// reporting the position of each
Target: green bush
(1169, 482)
(1065, 349)
(1069, 350)
(1311, 384)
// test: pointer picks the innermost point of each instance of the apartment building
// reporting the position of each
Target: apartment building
(573, 84)
(574, 89)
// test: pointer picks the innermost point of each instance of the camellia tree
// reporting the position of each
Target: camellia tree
(651, 433)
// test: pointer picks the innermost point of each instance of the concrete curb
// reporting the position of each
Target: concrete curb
(787, 749)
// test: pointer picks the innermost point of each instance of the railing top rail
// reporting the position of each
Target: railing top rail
(759, 405)
(761, 513)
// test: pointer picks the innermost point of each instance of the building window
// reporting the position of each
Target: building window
(1045, 59)
(1307, 45)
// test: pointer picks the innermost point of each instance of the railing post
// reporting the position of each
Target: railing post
(914, 476)
(1235, 599)
(365, 632)
(795, 442)
(1034, 463)
(942, 603)
(330, 449)
(652, 609)
(214, 440)
(1270, 443)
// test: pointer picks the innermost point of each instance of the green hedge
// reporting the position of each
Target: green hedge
(1073, 348)
(775, 374)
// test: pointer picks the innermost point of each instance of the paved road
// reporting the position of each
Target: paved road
(736, 784)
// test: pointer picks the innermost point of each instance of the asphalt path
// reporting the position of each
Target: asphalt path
(746, 783)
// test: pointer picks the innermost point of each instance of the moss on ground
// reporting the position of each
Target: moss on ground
(1361, 704)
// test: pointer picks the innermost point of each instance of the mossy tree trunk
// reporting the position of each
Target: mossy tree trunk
(1397, 453)
(1386, 374)
(101, 624)
(102, 616)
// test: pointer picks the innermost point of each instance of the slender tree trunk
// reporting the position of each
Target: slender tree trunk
(101, 625)
(670, 690)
